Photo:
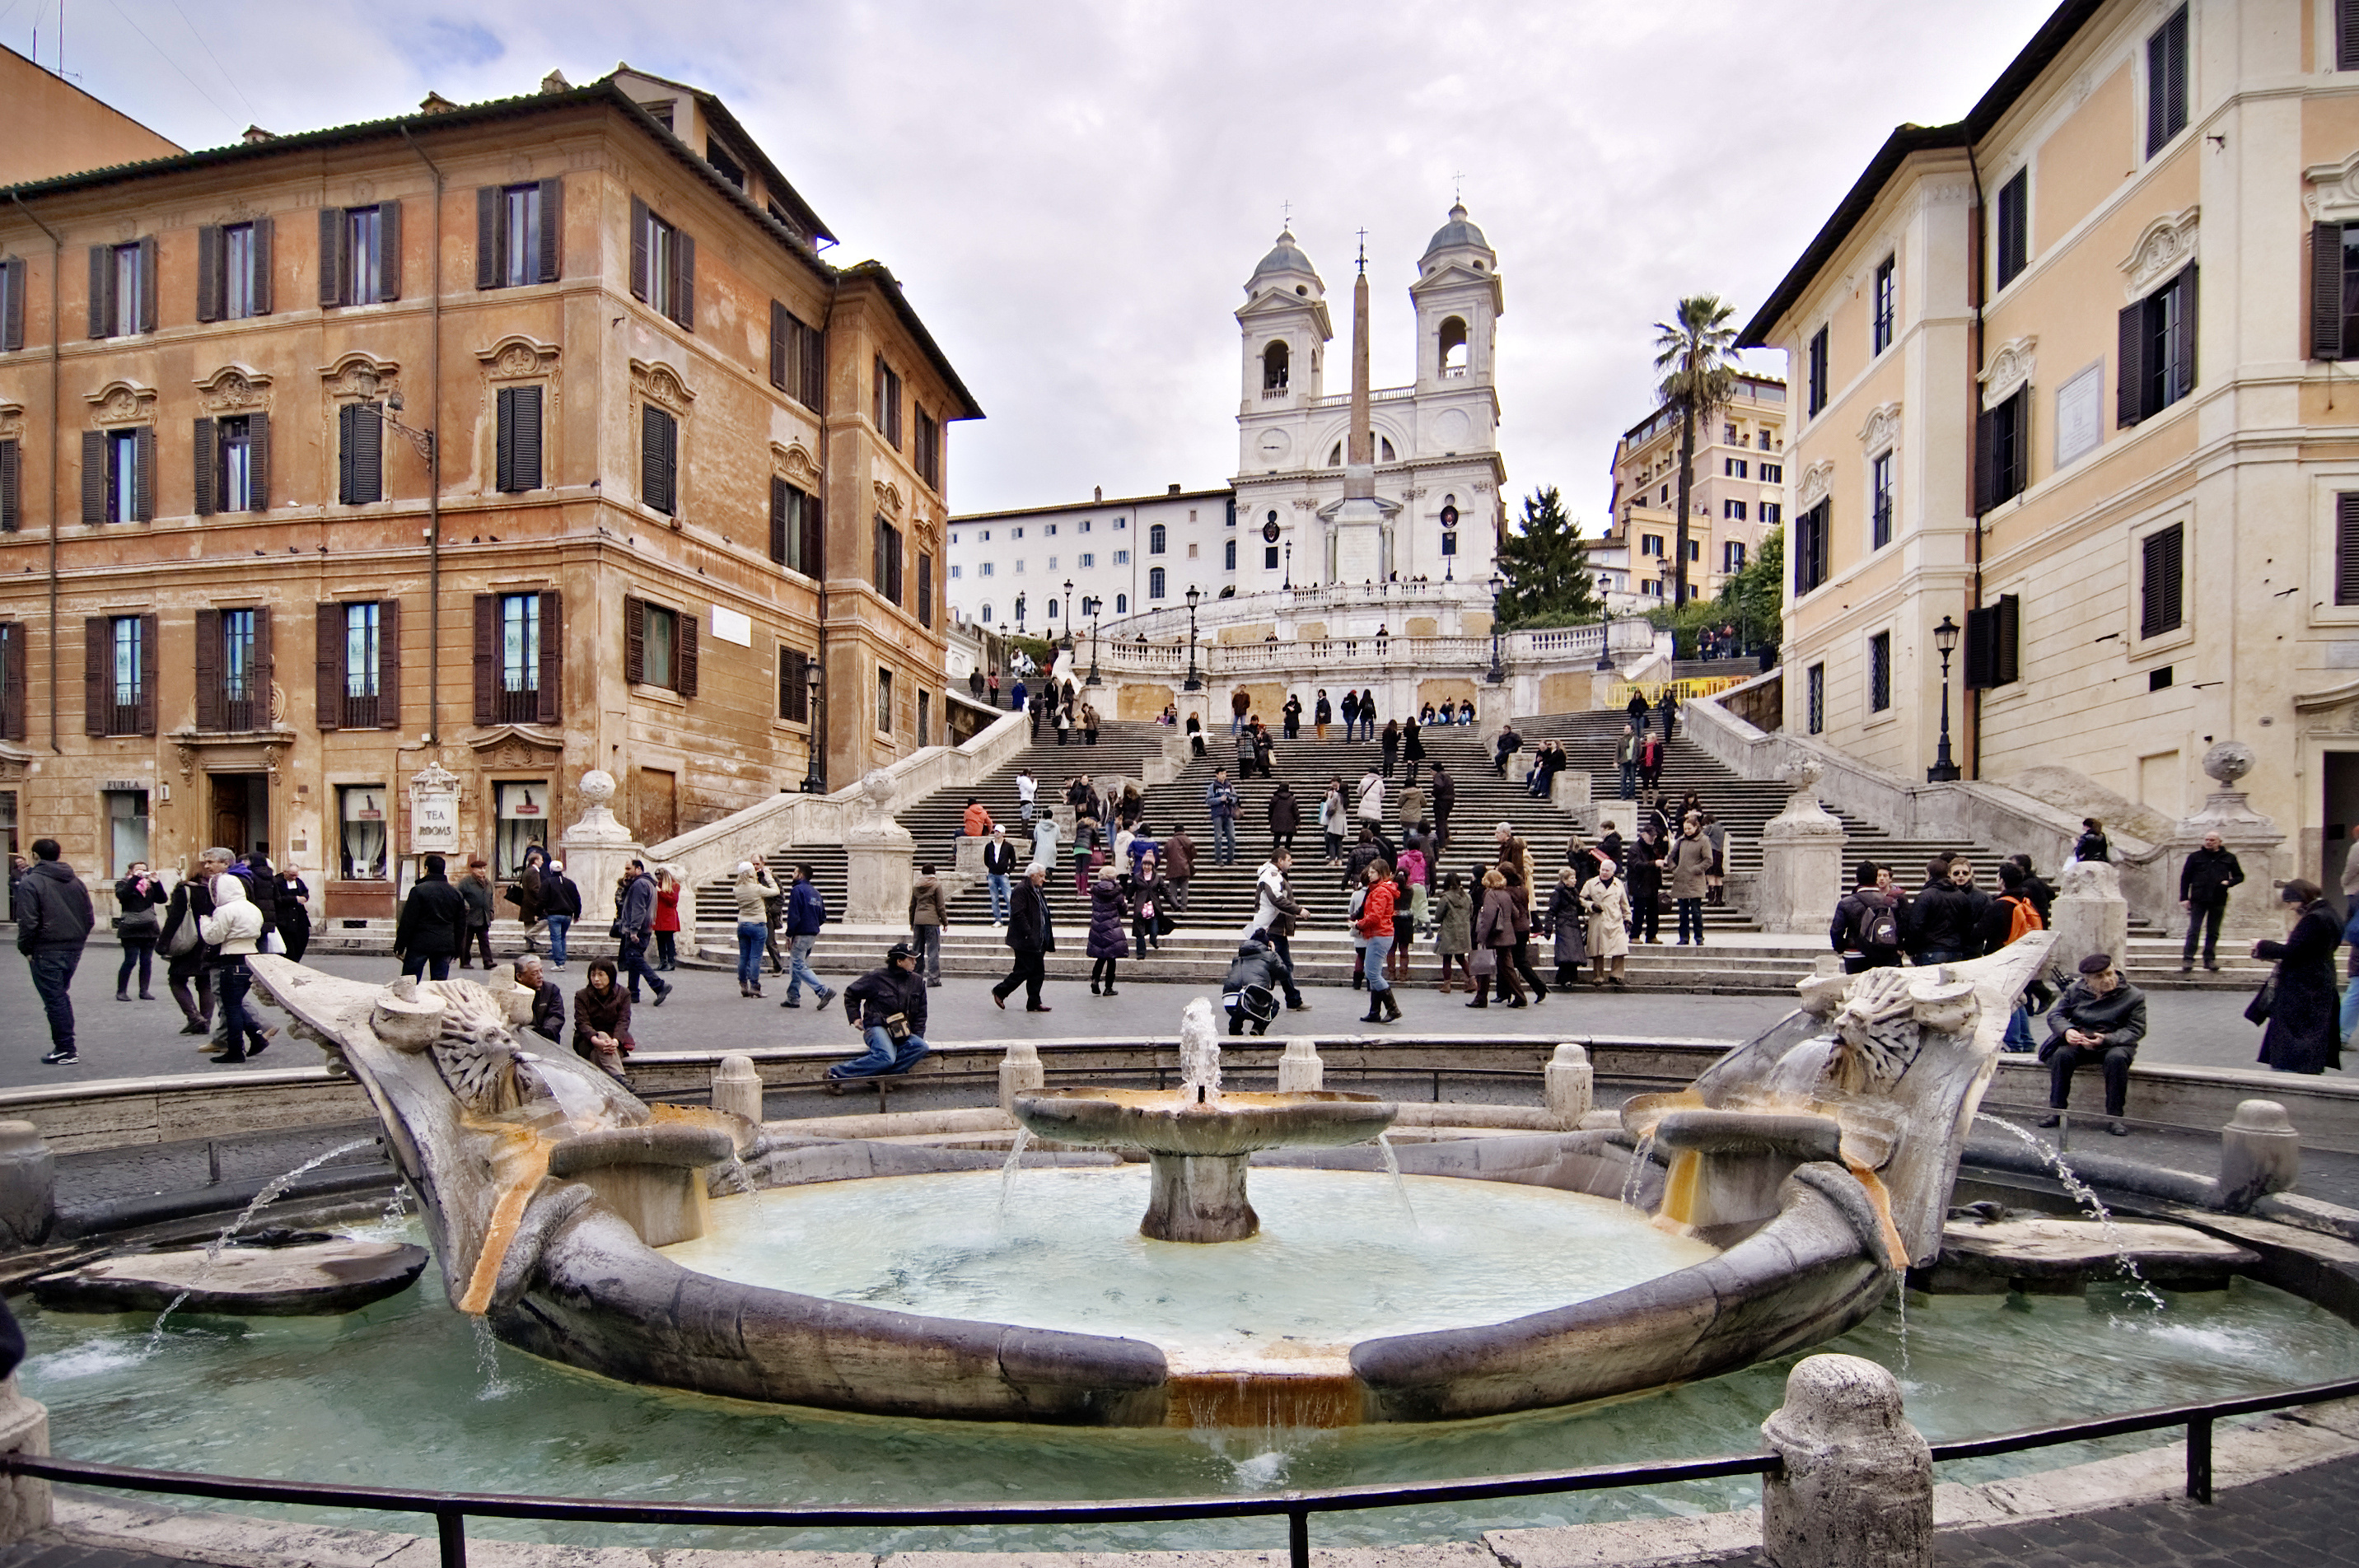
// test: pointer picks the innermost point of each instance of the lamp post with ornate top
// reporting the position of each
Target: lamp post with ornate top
(1943, 771)
(1193, 684)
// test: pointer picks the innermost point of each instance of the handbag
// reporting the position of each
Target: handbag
(2264, 1001)
(184, 936)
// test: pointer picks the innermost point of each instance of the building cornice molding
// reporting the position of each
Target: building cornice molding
(2163, 247)
(2010, 369)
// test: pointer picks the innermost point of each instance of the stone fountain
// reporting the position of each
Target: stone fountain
(1199, 1141)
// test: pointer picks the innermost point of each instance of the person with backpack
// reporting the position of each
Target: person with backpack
(1866, 925)
(2011, 916)
(1249, 990)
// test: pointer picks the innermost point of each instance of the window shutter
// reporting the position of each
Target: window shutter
(635, 640)
(487, 657)
(257, 458)
(388, 256)
(924, 590)
(2346, 547)
(527, 437)
(777, 520)
(11, 325)
(814, 343)
(683, 282)
(639, 249)
(2163, 562)
(876, 393)
(505, 463)
(102, 299)
(2175, 72)
(2129, 401)
(814, 539)
(146, 706)
(97, 651)
(264, 249)
(658, 460)
(12, 688)
(488, 232)
(331, 256)
(1985, 460)
(11, 480)
(147, 284)
(552, 657)
(388, 665)
(209, 272)
(2346, 35)
(208, 670)
(778, 345)
(328, 665)
(143, 471)
(1981, 627)
(200, 444)
(263, 668)
(368, 453)
(345, 440)
(93, 476)
(552, 231)
(2326, 291)
(2006, 639)
(2182, 337)
(685, 669)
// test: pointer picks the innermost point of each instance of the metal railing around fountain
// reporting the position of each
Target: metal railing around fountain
(450, 1510)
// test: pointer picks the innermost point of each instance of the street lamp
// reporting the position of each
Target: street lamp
(1068, 615)
(812, 782)
(1089, 607)
(1289, 582)
(1944, 771)
(1193, 684)
(1498, 672)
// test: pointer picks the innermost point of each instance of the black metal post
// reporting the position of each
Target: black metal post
(2198, 1458)
(452, 1529)
(1297, 1537)
(1097, 641)
(1943, 771)
(1192, 684)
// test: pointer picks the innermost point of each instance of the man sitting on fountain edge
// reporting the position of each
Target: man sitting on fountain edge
(887, 1005)
(2100, 1019)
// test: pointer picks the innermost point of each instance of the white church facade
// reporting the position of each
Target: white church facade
(1434, 511)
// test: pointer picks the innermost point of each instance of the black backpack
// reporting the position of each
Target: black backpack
(1876, 926)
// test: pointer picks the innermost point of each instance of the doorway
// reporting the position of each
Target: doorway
(2339, 819)
(240, 812)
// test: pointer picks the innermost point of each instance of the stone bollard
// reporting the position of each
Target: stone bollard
(1571, 1085)
(28, 1186)
(23, 1428)
(1019, 1072)
(1299, 1070)
(2260, 1154)
(1857, 1484)
(738, 1087)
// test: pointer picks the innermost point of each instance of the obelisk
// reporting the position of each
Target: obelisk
(1359, 525)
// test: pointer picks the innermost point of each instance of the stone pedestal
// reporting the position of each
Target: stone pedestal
(2254, 909)
(738, 1087)
(28, 1186)
(1571, 1085)
(1857, 1486)
(1019, 1072)
(595, 848)
(967, 856)
(2260, 1153)
(2090, 915)
(1572, 787)
(1801, 876)
(1199, 1197)
(23, 1428)
(879, 855)
(1299, 1070)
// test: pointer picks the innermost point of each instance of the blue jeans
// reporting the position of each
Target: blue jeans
(232, 981)
(998, 880)
(751, 934)
(1225, 840)
(558, 925)
(1629, 781)
(798, 969)
(2350, 1008)
(883, 1055)
(53, 972)
(1379, 949)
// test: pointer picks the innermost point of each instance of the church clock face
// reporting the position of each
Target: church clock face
(1269, 533)
(1274, 446)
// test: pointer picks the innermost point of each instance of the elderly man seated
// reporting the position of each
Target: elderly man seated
(2100, 1020)
(547, 1002)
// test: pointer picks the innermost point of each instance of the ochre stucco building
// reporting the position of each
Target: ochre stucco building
(679, 456)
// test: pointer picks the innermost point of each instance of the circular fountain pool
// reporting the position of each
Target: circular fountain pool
(1342, 1256)
(407, 1394)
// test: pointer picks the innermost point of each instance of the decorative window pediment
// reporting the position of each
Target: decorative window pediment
(660, 385)
(362, 377)
(2334, 193)
(2010, 368)
(793, 463)
(122, 403)
(1816, 480)
(1882, 430)
(2163, 247)
(234, 388)
(889, 498)
(517, 358)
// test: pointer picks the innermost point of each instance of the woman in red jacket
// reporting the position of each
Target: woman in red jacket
(1375, 924)
(667, 923)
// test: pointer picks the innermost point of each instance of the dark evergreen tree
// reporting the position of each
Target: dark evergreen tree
(1546, 564)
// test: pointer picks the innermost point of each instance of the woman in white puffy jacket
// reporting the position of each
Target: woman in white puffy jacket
(234, 930)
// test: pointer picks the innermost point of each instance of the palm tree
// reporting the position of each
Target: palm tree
(1692, 353)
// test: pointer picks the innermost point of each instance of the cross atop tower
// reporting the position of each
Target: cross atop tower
(1363, 250)
(1286, 211)
(1458, 188)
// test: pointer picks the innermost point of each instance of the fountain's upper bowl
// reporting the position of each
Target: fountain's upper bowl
(1172, 1122)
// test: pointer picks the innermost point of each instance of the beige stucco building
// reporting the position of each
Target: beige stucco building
(677, 457)
(2069, 368)
(1737, 494)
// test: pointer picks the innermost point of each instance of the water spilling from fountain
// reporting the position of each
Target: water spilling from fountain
(271, 1192)
(2091, 1204)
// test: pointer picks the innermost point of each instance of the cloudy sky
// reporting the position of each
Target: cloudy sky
(1075, 193)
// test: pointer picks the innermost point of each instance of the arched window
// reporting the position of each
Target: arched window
(1052, 609)
(984, 615)
(1454, 347)
(1122, 604)
(1229, 557)
(1155, 582)
(1385, 446)
(1155, 539)
(1274, 365)
(1335, 456)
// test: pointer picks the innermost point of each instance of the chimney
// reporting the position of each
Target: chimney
(555, 82)
(1099, 494)
(1171, 489)
(257, 134)
(435, 103)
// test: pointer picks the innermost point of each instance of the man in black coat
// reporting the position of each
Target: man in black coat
(1031, 937)
(548, 999)
(2203, 884)
(1948, 917)
(433, 923)
(887, 1005)
(1443, 798)
(2100, 1018)
(53, 921)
